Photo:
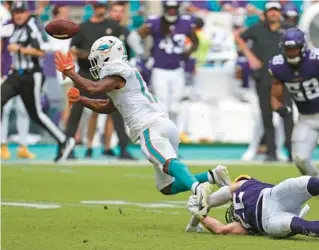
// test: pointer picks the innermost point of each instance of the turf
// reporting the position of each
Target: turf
(79, 226)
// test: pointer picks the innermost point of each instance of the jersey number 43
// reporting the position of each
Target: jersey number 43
(174, 45)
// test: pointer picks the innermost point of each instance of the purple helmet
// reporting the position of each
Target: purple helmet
(171, 10)
(290, 10)
(292, 40)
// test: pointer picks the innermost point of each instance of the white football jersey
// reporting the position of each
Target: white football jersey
(138, 107)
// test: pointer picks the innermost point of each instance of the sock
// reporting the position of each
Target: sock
(220, 197)
(202, 177)
(313, 186)
(181, 173)
(178, 186)
(301, 226)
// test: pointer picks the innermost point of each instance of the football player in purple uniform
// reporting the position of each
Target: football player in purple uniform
(296, 68)
(169, 33)
(261, 208)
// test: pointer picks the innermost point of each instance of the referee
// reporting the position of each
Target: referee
(26, 78)
(266, 37)
(97, 26)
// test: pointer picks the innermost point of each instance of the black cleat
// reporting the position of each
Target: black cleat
(65, 149)
(88, 153)
(109, 152)
(125, 155)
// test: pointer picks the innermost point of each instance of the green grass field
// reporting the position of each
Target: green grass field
(141, 225)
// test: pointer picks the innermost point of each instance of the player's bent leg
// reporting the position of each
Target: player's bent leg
(293, 192)
(301, 226)
(278, 225)
(304, 140)
(156, 143)
(218, 176)
(177, 169)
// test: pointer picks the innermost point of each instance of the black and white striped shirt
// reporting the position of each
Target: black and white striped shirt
(28, 35)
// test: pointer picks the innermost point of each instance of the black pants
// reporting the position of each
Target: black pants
(263, 89)
(76, 113)
(29, 87)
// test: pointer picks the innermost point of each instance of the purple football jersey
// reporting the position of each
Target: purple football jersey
(245, 201)
(302, 82)
(167, 50)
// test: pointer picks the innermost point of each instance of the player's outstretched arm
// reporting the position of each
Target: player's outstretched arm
(98, 105)
(64, 63)
(216, 227)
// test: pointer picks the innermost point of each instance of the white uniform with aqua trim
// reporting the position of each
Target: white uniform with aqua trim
(146, 118)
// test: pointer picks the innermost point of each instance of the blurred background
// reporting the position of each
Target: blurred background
(218, 112)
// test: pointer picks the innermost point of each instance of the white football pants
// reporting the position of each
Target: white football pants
(168, 86)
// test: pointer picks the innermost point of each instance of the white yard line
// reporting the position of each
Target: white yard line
(100, 203)
(30, 205)
(142, 163)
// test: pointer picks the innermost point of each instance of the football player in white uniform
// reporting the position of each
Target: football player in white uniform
(142, 112)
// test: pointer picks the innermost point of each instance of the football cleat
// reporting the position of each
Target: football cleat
(65, 149)
(24, 153)
(220, 176)
(5, 153)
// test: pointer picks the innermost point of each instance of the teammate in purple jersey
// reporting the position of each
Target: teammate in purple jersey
(261, 208)
(297, 69)
(169, 33)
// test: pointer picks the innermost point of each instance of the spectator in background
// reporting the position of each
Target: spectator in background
(290, 13)
(269, 31)
(117, 14)
(96, 27)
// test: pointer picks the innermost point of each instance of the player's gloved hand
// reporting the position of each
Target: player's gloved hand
(64, 63)
(283, 111)
(193, 207)
(73, 96)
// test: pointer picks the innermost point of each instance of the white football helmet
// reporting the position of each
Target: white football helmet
(104, 50)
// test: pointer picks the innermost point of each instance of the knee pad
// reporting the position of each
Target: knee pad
(301, 163)
(305, 166)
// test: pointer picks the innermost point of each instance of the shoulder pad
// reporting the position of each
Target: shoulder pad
(186, 17)
(116, 68)
(314, 54)
(275, 65)
(152, 17)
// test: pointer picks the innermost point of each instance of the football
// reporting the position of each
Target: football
(62, 29)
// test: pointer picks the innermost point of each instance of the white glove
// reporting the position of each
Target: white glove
(193, 207)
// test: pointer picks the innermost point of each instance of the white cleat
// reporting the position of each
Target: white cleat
(194, 229)
(220, 176)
